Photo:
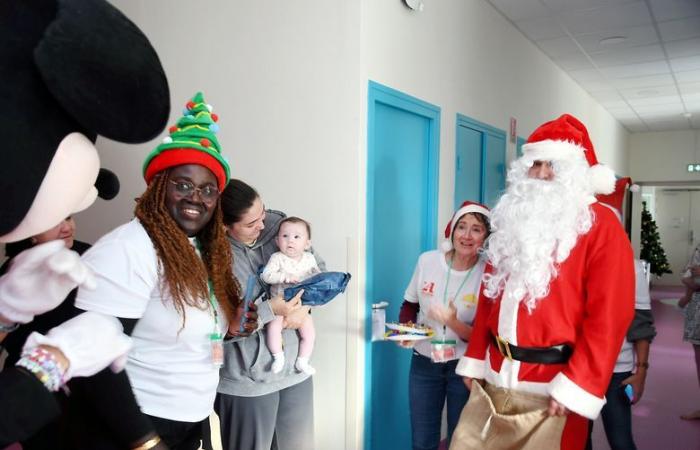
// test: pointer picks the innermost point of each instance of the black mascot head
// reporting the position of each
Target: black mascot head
(71, 70)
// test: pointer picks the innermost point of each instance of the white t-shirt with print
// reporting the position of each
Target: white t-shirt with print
(427, 287)
(169, 366)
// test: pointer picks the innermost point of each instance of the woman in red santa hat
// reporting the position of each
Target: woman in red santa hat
(443, 295)
(555, 306)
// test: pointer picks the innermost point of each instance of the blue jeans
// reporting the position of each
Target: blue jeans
(429, 385)
(617, 415)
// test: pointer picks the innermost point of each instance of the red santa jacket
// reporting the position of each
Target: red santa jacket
(589, 307)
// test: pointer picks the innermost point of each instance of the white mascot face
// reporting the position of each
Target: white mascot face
(67, 188)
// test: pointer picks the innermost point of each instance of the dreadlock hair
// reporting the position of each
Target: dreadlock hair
(186, 275)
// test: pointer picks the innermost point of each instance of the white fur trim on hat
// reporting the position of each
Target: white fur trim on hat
(550, 150)
(602, 179)
(446, 245)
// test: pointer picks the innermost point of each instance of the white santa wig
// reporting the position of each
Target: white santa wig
(536, 222)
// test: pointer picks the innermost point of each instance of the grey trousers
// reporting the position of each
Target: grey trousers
(283, 420)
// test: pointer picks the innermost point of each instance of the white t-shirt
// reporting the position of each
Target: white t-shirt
(427, 287)
(169, 366)
(625, 360)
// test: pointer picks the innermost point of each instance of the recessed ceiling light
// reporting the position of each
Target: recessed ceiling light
(647, 92)
(612, 40)
(687, 115)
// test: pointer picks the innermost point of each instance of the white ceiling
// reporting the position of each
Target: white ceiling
(647, 77)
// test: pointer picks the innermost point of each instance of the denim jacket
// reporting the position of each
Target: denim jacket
(320, 288)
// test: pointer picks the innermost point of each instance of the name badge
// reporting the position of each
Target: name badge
(216, 341)
(443, 350)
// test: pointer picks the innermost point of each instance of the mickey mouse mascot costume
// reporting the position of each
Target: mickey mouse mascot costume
(72, 70)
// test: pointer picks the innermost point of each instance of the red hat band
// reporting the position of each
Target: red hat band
(181, 156)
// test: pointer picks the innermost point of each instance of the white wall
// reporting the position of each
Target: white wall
(466, 58)
(661, 157)
(289, 81)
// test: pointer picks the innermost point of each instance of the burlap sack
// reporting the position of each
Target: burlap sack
(505, 419)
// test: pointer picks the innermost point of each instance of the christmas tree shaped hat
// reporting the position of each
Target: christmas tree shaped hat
(191, 141)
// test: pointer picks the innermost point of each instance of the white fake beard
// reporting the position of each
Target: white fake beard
(535, 225)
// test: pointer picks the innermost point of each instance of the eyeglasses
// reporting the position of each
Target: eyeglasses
(208, 193)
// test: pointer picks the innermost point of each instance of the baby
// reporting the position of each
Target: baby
(292, 264)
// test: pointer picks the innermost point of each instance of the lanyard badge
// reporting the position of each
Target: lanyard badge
(443, 350)
(216, 341)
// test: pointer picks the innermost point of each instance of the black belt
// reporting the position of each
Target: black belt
(558, 354)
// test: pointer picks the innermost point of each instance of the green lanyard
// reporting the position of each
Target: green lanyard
(447, 285)
(213, 302)
(216, 334)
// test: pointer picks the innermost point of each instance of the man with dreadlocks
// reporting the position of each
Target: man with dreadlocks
(168, 274)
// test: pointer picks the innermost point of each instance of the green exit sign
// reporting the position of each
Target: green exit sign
(693, 167)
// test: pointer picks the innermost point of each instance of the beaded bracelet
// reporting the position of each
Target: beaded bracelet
(44, 366)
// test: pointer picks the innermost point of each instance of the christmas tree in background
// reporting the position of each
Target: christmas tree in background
(652, 252)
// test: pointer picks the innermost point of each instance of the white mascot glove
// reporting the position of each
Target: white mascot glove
(90, 341)
(39, 279)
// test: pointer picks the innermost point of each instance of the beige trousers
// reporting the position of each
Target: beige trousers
(506, 419)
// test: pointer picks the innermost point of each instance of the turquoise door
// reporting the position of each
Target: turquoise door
(494, 170)
(468, 164)
(480, 165)
(402, 171)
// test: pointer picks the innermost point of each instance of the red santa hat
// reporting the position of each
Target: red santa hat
(566, 138)
(615, 199)
(466, 208)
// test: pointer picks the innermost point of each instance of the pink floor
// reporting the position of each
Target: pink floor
(671, 388)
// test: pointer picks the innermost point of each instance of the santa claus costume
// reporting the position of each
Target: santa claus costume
(556, 301)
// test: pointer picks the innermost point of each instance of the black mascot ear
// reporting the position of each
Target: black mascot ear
(104, 72)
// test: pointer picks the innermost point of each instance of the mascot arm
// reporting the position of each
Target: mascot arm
(112, 400)
(26, 406)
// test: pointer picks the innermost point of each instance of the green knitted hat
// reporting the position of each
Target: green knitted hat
(191, 141)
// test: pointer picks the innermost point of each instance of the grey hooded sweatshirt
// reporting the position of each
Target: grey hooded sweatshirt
(247, 368)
